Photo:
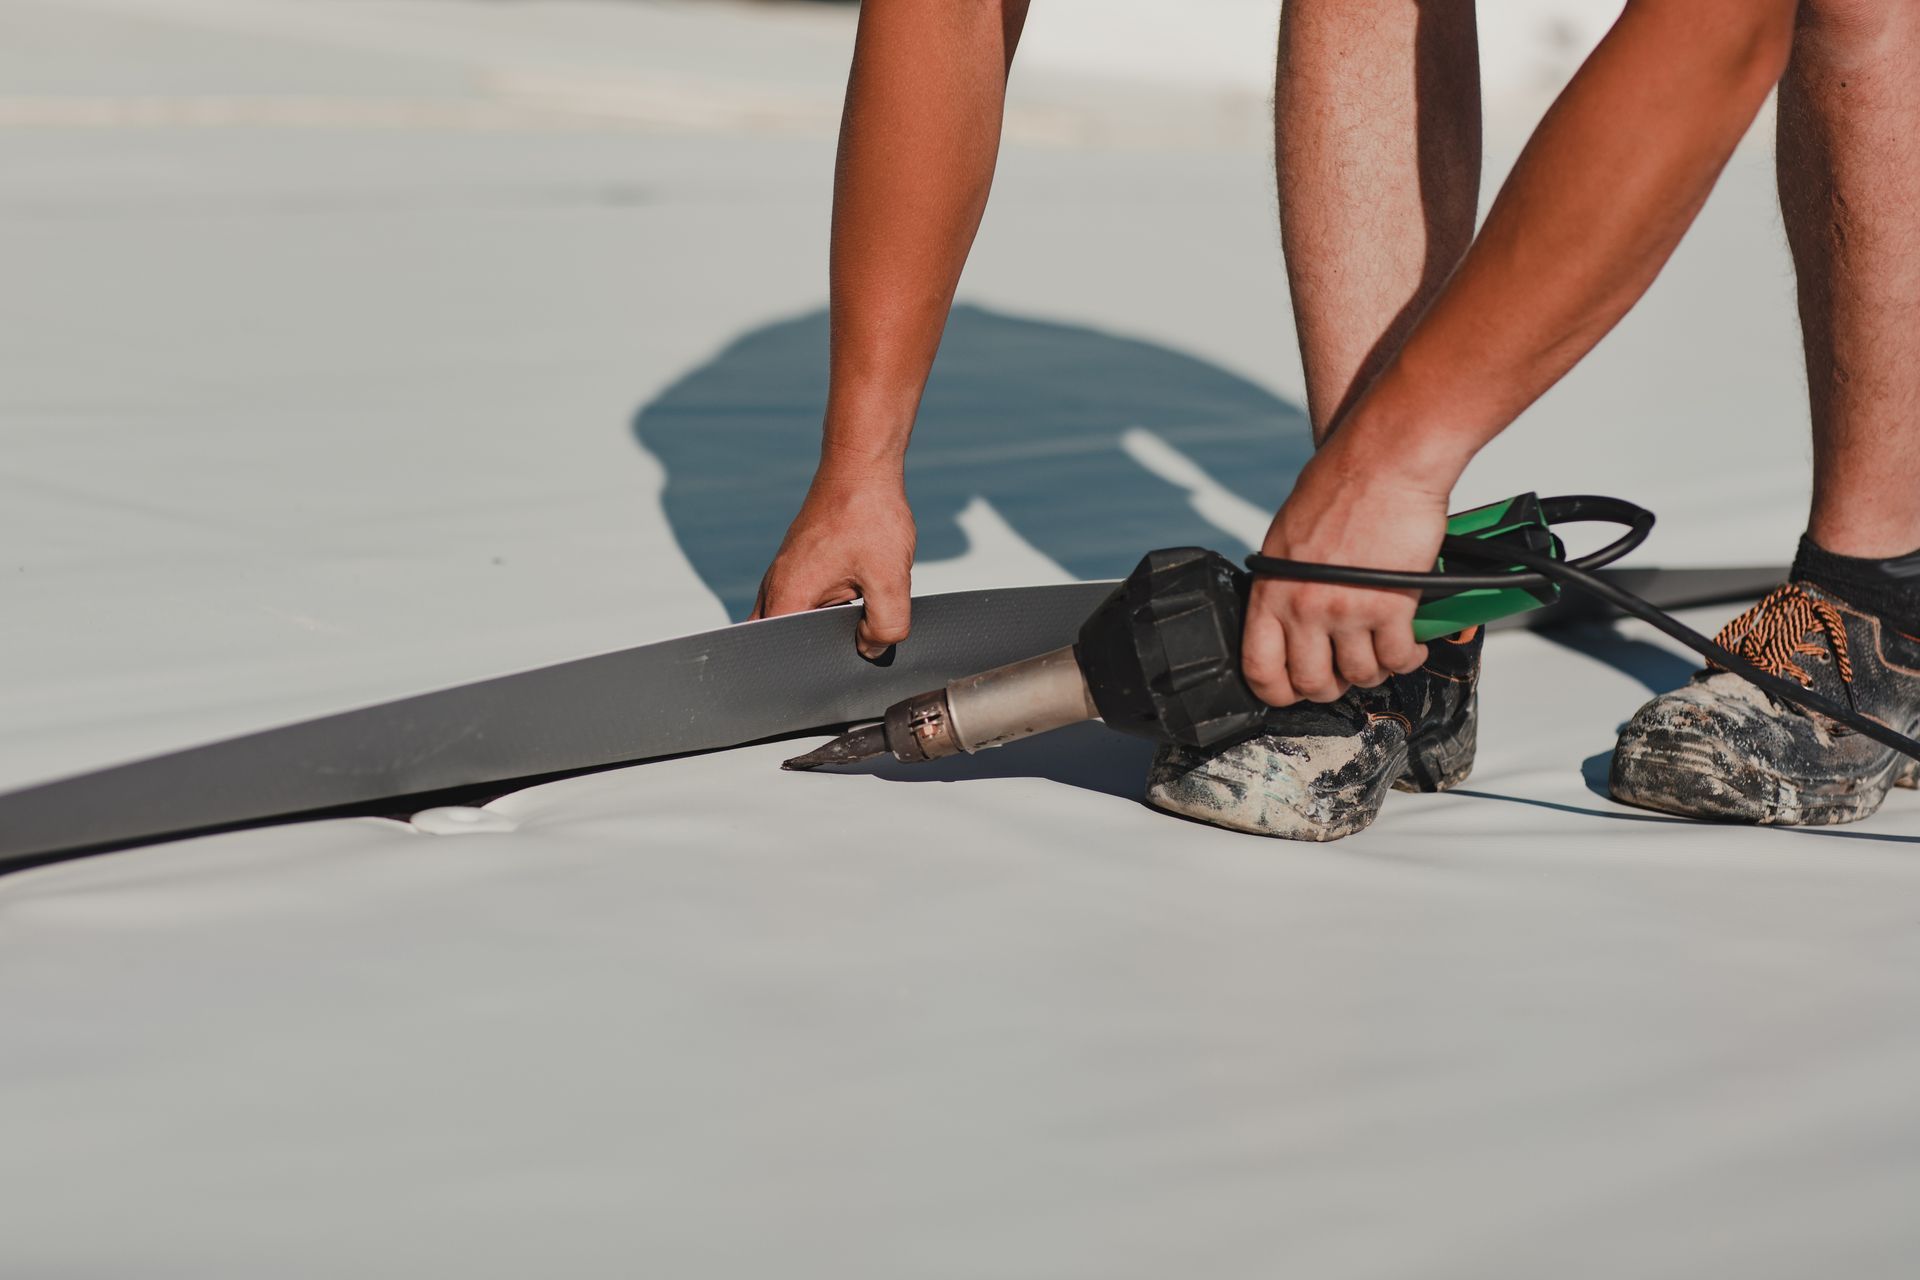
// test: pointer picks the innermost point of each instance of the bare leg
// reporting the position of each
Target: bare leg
(1849, 156)
(1376, 114)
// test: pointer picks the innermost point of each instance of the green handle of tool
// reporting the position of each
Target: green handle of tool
(1469, 609)
(1453, 614)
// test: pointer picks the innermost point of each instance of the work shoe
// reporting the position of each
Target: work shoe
(1321, 770)
(1722, 748)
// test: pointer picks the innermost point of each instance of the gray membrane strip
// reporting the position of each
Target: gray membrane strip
(696, 693)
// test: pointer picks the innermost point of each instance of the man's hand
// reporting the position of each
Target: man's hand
(853, 538)
(1312, 641)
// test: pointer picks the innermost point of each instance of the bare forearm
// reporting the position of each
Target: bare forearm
(917, 146)
(1593, 209)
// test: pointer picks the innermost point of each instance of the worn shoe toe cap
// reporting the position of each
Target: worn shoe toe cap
(1295, 788)
(1719, 748)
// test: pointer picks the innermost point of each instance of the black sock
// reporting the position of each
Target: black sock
(1889, 588)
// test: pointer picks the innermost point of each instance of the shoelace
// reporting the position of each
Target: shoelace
(1773, 634)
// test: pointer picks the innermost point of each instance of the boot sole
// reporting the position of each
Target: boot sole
(1696, 783)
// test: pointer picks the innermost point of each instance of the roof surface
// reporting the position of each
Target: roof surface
(356, 350)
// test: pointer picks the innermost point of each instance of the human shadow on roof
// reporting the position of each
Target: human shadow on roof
(1031, 416)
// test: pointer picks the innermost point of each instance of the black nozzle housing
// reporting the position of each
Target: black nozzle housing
(1162, 653)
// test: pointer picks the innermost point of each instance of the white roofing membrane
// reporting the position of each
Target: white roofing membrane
(342, 365)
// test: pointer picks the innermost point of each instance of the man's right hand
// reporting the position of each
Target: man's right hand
(853, 538)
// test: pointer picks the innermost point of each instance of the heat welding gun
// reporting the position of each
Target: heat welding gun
(1160, 657)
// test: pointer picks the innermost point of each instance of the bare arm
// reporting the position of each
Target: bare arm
(918, 140)
(1596, 204)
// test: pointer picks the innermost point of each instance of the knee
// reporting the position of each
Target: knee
(1853, 18)
(1851, 37)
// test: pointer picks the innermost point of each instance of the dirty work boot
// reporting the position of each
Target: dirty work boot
(1322, 770)
(1721, 748)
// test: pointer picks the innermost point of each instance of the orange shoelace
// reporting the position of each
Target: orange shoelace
(1773, 634)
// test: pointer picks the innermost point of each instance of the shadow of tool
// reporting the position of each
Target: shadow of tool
(1088, 756)
(1659, 669)
(1043, 421)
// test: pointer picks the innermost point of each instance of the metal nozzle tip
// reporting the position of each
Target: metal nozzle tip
(851, 747)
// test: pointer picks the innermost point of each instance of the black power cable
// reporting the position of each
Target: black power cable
(1579, 574)
(1571, 509)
